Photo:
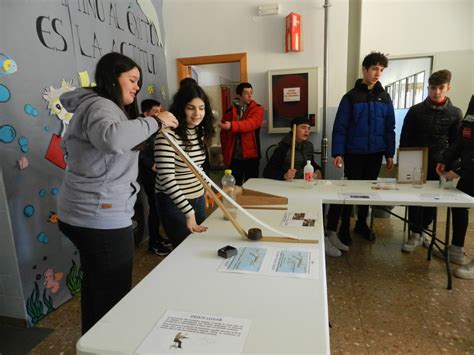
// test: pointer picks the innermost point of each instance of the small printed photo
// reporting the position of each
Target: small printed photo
(309, 222)
(298, 216)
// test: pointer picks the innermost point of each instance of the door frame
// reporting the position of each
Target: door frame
(182, 64)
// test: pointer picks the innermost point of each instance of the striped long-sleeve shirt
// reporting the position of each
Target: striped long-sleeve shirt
(174, 177)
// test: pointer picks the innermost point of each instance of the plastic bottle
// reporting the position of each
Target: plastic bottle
(308, 172)
(228, 186)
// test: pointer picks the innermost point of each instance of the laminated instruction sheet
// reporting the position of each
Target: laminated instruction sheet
(179, 332)
(284, 262)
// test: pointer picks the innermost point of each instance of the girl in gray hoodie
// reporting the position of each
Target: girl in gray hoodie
(99, 187)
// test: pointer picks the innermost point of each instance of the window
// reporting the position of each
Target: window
(407, 92)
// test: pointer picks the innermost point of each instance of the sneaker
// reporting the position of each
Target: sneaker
(345, 235)
(426, 241)
(167, 244)
(330, 249)
(161, 250)
(362, 229)
(414, 241)
(334, 239)
(465, 272)
(456, 255)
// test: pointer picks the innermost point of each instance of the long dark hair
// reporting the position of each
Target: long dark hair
(205, 130)
(107, 71)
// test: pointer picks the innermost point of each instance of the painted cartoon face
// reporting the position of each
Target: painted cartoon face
(52, 95)
(194, 111)
(58, 110)
(372, 75)
(128, 82)
(437, 93)
(7, 65)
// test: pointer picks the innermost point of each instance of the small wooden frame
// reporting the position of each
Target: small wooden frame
(408, 159)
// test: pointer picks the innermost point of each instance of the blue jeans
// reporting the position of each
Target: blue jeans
(174, 221)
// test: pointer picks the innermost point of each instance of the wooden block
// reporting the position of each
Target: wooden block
(252, 198)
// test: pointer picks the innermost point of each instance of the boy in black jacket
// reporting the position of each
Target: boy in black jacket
(463, 147)
(157, 244)
(432, 123)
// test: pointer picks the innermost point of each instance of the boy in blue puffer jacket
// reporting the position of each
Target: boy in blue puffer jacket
(363, 133)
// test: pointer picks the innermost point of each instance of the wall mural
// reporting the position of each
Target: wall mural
(52, 47)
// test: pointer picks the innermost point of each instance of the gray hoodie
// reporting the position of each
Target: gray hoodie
(99, 188)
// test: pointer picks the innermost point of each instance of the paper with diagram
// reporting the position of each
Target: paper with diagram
(283, 262)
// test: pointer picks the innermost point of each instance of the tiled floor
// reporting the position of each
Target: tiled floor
(380, 300)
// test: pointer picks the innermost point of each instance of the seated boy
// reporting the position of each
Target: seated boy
(278, 167)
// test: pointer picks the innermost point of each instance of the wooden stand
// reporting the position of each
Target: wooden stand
(254, 195)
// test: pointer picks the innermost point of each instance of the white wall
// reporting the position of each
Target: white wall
(210, 27)
(401, 28)
(442, 28)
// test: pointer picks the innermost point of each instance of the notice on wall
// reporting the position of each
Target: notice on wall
(288, 262)
(291, 94)
(180, 332)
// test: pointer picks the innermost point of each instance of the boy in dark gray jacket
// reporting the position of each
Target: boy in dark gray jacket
(432, 123)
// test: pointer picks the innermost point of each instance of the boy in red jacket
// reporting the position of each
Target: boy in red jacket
(240, 140)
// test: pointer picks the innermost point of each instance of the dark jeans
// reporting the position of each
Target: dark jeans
(244, 169)
(461, 215)
(155, 238)
(174, 221)
(420, 217)
(106, 261)
(356, 167)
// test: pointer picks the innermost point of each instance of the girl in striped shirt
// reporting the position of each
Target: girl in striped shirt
(179, 194)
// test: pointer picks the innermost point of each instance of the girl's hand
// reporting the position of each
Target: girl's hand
(192, 226)
(167, 119)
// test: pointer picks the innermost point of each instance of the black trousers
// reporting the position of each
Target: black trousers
(356, 167)
(155, 238)
(244, 169)
(106, 262)
(421, 217)
(461, 215)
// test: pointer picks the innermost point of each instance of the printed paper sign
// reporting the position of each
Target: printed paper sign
(291, 94)
(190, 333)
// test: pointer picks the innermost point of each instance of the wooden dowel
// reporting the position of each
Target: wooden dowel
(289, 240)
(293, 146)
(234, 222)
(251, 207)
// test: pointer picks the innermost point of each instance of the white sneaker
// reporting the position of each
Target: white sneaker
(456, 255)
(336, 241)
(414, 241)
(426, 241)
(330, 249)
(465, 272)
